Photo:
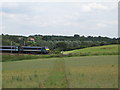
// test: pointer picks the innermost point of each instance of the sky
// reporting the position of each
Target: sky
(60, 18)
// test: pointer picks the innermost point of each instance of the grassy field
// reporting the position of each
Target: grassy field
(98, 50)
(72, 72)
(20, 57)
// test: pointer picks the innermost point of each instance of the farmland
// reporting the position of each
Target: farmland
(72, 72)
(98, 50)
(93, 67)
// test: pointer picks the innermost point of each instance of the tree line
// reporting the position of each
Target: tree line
(54, 42)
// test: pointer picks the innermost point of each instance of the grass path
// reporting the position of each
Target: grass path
(58, 77)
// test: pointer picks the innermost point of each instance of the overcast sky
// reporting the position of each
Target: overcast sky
(60, 18)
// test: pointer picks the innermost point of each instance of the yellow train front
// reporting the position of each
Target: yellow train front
(45, 50)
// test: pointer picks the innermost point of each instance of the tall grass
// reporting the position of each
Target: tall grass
(73, 72)
(19, 57)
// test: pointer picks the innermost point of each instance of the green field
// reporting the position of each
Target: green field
(64, 72)
(98, 50)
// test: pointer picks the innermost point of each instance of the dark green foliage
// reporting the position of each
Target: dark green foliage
(76, 36)
(63, 43)
(61, 46)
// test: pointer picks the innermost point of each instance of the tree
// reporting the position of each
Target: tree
(61, 46)
(76, 36)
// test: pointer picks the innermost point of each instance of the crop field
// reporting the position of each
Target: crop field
(64, 72)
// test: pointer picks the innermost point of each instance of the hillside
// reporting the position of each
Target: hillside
(62, 43)
(98, 50)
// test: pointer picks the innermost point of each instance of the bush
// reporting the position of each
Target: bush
(55, 51)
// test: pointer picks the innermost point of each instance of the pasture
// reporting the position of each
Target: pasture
(64, 72)
(95, 51)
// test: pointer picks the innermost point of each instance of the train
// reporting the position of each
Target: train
(24, 49)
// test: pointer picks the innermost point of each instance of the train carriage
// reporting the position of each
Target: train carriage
(24, 49)
(9, 49)
(32, 50)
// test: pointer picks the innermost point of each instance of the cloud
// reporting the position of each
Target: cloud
(90, 6)
(64, 18)
(8, 15)
(12, 16)
(10, 5)
(60, 1)
(98, 6)
(106, 24)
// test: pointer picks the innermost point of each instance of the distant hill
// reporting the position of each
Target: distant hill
(98, 50)
(62, 43)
